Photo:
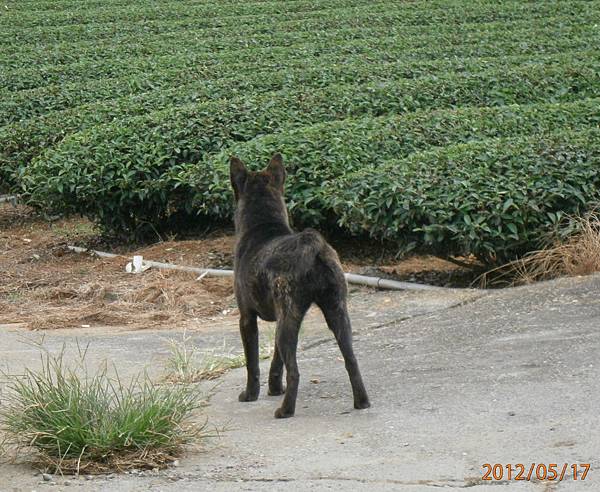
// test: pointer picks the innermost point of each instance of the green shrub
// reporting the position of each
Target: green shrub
(127, 113)
(130, 173)
(69, 22)
(324, 152)
(22, 141)
(365, 28)
(175, 70)
(495, 198)
(82, 422)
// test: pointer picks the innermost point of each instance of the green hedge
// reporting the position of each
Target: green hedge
(127, 112)
(203, 14)
(495, 198)
(323, 153)
(102, 174)
(138, 12)
(22, 141)
(220, 45)
(183, 68)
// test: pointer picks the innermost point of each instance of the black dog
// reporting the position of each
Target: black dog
(278, 275)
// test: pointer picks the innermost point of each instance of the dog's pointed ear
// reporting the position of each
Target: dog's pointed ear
(276, 170)
(238, 175)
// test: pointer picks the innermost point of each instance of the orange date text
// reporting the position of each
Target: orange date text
(535, 471)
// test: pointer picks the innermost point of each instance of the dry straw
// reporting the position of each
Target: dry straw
(577, 254)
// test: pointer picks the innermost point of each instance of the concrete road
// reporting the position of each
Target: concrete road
(457, 379)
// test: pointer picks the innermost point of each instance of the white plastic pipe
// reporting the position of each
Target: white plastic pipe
(158, 264)
(384, 283)
(9, 198)
(352, 278)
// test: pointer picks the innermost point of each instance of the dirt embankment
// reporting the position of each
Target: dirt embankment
(43, 285)
(46, 286)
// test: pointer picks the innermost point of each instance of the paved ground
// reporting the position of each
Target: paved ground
(456, 379)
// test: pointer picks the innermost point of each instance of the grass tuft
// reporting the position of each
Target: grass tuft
(186, 365)
(75, 422)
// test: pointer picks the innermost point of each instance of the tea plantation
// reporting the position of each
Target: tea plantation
(459, 126)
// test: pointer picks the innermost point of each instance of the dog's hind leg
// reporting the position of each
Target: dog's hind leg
(276, 373)
(338, 321)
(249, 333)
(286, 343)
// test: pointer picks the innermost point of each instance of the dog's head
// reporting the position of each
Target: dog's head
(269, 182)
(258, 192)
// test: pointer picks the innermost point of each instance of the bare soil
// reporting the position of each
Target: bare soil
(43, 285)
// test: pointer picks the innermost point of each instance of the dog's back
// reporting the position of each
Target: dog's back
(293, 270)
(301, 269)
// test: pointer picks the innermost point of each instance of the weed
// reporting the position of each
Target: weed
(78, 421)
(187, 365)
(80, 230)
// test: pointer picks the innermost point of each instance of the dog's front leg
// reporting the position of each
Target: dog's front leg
(249, 333)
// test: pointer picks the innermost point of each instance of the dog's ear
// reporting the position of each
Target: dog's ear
(276, 170)
(238, 175)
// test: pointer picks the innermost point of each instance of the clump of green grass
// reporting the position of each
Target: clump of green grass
(79, 230)
(187, 365)
(76, 422)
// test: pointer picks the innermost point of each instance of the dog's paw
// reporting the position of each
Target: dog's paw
(362, 404)
(282, 414)
(246, 396)
(276, 391)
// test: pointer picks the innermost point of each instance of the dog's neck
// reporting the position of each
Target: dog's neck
(256, 212)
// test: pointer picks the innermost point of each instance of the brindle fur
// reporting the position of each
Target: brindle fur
(278, 275)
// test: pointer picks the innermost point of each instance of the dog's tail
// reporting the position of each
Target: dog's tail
(316, 250)
(297, 254)
(309, 245)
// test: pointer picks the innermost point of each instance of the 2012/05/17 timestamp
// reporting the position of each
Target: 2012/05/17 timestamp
(535, 471)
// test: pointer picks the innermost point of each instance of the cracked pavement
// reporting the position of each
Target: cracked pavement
(456, 379)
